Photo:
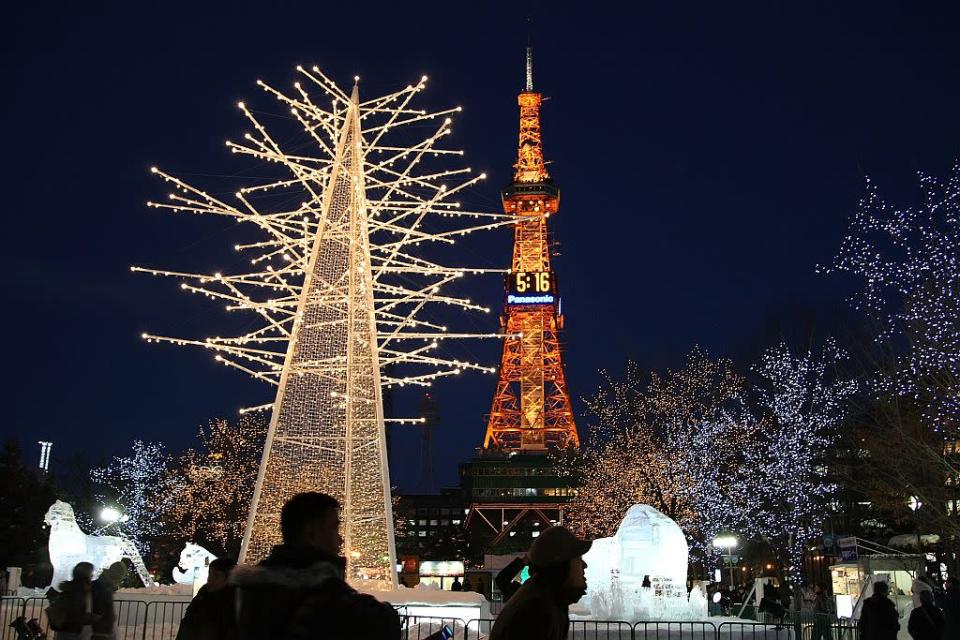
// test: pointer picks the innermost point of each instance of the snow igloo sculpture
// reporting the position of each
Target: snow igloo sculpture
(641, 572)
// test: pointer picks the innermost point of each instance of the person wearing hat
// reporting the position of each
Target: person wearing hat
(539, 609)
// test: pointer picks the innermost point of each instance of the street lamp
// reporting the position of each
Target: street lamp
(112, 516)
(728, 542)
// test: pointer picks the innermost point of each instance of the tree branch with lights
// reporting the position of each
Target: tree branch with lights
(132, 487)
(674, 442)
(210, 487)
(801, 403)
(906, 259)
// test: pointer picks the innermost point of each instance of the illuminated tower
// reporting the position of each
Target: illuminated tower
(531, 407)
(512, 486)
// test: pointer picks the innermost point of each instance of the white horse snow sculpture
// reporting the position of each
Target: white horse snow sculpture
(69, 546)
(193, 561)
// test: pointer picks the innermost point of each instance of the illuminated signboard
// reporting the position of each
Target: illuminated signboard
(441, 568)
(531, 287)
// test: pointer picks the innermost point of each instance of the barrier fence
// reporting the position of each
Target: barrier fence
(160, 620)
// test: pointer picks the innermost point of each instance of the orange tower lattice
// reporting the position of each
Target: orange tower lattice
(531, 408)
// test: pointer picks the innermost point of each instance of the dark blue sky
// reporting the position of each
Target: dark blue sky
(709, 156)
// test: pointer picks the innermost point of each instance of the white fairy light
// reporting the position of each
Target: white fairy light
(339, 287)
(907, 261)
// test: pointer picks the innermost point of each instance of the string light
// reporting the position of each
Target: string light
(134, 486)
(802, 404)
(339, 286)
(671, 441)
(908, 259)
(715, 454)
(207, 493)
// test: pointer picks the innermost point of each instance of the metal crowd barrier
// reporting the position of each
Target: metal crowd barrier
(601, 630)
(750, 630)
(422, 627)
(130, 618)
(160, 620)
(10, 610)
(670, 630)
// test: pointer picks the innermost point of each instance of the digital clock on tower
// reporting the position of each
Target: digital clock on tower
(531, 287)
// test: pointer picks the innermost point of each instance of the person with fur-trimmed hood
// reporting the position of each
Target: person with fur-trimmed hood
(299, 591)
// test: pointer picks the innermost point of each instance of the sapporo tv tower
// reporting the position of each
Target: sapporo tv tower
(513, 489)
(531, 408)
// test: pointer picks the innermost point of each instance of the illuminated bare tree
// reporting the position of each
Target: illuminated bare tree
(672, 441)
(209, 489)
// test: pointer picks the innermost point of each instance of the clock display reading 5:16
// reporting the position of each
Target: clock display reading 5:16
(532, 282)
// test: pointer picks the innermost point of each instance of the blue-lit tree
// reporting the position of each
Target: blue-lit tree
(674, 441)
(908, 260)
(134, 486)
(801, 404)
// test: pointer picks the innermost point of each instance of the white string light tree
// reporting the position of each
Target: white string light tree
(341, 288)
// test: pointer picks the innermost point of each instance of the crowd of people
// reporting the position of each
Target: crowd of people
(300, 591)
(930, 620)
(82, 607)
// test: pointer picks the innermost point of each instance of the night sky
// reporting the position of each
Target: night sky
(709, 155)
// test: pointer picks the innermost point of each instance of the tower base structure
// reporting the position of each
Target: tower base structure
(512, 497)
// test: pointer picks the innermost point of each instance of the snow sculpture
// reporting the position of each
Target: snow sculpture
(699, 606)
(193, 561)
(641, 572)
(69, 546)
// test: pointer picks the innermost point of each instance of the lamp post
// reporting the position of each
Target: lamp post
(728, 542)
(914, 503)
(111, 515)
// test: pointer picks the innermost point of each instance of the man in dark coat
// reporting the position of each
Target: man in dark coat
(73, 604)
(103, 589)
(210, 615)
(879, 619)
(926, 621)
(299, 591)
(539, 609)
(951, 608)
(823, 616)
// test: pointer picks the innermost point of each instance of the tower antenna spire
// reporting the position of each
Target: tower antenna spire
(529, 54)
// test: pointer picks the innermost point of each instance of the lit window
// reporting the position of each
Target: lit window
(423, 534)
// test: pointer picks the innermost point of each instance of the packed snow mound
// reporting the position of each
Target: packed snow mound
(640, 573)
(647, 544)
